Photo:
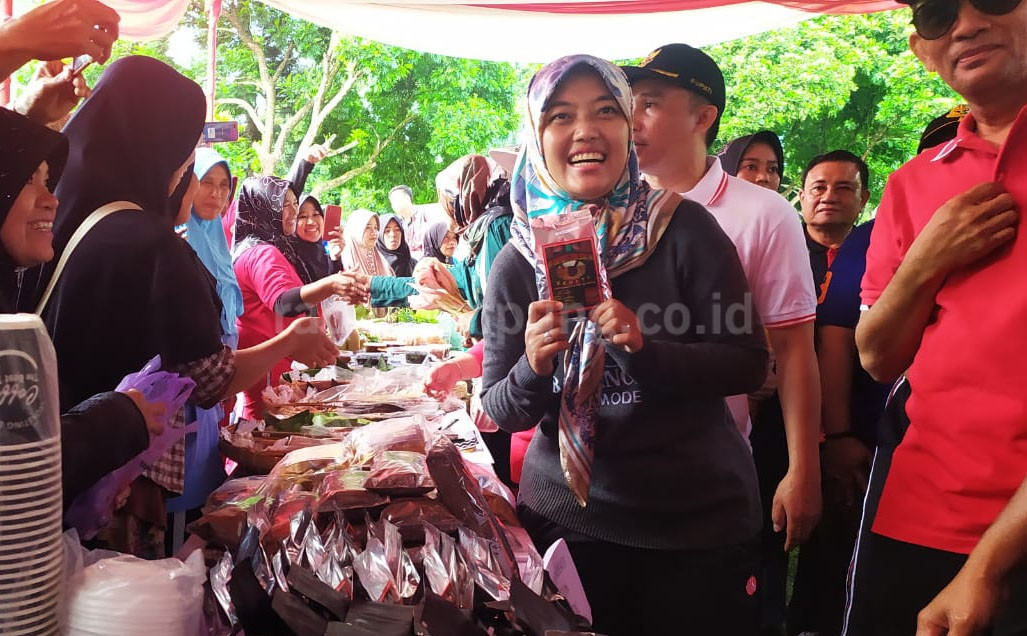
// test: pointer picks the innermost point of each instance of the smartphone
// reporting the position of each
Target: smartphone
(220, 131)
(80, 63)
(333, 219)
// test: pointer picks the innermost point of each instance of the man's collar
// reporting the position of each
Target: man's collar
(712, 185)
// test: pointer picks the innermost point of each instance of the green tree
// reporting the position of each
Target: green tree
(846, 82)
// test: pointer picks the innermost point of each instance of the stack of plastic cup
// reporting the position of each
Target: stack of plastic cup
(31, 549)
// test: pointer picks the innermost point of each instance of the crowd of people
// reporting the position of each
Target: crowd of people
(747, 379)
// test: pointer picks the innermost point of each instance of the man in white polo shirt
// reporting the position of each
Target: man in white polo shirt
(679, 97)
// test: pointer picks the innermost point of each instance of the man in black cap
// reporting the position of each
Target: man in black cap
(942, 129)
(944, 305)
(679, 99)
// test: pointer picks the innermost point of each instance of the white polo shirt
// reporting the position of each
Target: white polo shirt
(767, 233)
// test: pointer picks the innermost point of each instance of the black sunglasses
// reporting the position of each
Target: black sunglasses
(934, 18)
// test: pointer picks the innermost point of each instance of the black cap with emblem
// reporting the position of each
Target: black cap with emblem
(685, 67)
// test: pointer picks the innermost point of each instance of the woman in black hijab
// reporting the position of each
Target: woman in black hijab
(131, 288)
(107, 430)
(312, 260)
(398, 256)
(758, 158)
(440, 242)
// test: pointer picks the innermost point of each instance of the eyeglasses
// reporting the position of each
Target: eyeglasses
(934, 18)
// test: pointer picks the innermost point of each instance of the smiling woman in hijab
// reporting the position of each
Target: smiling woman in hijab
(131, 288)
(267, 266)
(392, 245)
(107, 430)
(636, 461)
(312, 259)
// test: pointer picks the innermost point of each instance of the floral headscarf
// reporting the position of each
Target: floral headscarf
(629, 221)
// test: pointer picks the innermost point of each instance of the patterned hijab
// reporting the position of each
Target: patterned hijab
(629, 222)
(258, 219)
(467, 186)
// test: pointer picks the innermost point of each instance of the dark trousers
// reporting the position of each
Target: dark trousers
(891, 581)
(643, 592)
(770, 454)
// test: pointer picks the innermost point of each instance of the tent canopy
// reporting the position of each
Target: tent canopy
(513, 31)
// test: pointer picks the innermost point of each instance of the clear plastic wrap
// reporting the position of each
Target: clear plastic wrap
(132, 596)
(480, 554)
(340, 317)
(372, 568)
(399, 474)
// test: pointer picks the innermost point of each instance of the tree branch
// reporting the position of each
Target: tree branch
(285, 60)
(245, 105)
(368, 165)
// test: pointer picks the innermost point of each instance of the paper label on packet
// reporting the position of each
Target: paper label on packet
(572, 274)
(566, 246)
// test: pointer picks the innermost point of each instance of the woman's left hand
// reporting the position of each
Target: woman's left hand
(619, 325)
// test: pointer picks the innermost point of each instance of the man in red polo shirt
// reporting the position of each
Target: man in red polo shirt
(945, 299)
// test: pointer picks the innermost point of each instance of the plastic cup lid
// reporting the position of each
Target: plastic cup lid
(47, 628)
(18, 468)
(7, 627)
(35, 594)
(5, 559)
(42, 606)
(38, 574)
(54, 578)
(16, 511)
(28, 447)
(10, 487)
(31, 495)
(19, 529)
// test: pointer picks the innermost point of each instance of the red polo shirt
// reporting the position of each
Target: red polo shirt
(965, 452)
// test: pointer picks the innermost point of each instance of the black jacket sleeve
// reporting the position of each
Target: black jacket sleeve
(99, 436)
(301, 169)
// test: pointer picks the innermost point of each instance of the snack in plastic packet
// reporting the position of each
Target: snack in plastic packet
(220, 574)
(412, 515)
(400, 434)
(399, 474)
(445, 570)
(374, 573)
(458, 489)
(341, 318)
(234, 491)
(402, 566)
(314, 554)
(223, 527)
(479, 554)
(566, 244)
(343, 491)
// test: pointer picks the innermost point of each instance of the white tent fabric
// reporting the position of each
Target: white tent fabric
(497, 34)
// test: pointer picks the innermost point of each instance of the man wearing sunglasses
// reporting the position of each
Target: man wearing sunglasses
(945, 303)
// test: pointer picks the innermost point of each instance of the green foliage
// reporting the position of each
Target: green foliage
(846, 82)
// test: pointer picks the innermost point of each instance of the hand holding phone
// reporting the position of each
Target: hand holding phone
(333, 219)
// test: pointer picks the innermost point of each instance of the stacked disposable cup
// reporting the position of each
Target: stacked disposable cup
(31, 549)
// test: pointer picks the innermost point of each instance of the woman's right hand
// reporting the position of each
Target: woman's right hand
(353, 287)
(545, 336)
(310, 344)
(152, 412)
